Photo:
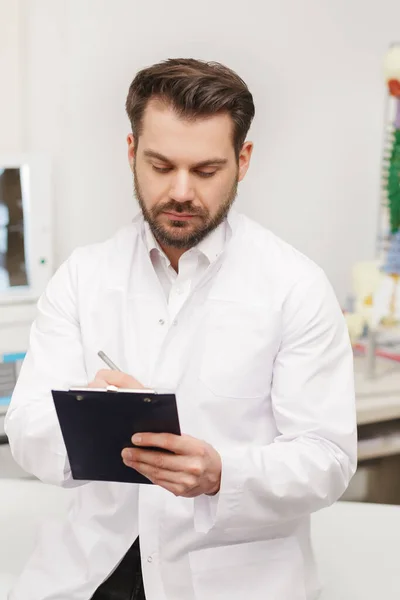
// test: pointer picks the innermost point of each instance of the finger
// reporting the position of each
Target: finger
(156, 475)
(185, 482)
(178, 444)
(180, 483)
(153, 472)
(160, 460)
(119, 379)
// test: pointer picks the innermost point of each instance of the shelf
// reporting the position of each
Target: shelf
(377, 409)
(379, 447)
(377, 399)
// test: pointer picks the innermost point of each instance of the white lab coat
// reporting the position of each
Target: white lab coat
(261, 363)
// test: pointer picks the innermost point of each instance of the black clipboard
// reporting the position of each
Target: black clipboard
(97, 424)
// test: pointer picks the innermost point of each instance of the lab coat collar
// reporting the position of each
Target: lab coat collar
(131, 239)
(211, 247)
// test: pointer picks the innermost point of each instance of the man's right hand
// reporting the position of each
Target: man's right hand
(106, 377)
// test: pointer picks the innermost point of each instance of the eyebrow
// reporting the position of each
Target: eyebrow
(203, 163)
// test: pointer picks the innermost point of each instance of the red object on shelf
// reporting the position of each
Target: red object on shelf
(394, 87)
(382, 353)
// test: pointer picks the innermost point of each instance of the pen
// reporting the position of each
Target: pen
(108, 362)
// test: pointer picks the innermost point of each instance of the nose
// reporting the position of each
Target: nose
(182, 188)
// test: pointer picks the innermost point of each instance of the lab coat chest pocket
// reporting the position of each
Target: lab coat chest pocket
(260, 569)
(240, 344)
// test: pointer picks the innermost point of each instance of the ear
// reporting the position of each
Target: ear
(244, 159)
(131, 149)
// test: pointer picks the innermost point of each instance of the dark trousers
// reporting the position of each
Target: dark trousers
(126, 583)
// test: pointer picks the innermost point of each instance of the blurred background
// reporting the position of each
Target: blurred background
(323, 176)
(314, 68)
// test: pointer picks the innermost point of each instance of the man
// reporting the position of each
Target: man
(198, 299)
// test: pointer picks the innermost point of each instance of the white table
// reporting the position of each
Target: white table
(357, 550)
(356, 545)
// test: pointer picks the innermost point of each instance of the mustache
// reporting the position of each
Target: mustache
(179, 207)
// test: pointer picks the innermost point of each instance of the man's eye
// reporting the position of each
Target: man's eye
(162, 169)
(205, 173)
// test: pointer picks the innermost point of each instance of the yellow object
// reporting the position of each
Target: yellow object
(368, 300)
(355, 324)
(367, 278)
(391, 320)
(391, 65)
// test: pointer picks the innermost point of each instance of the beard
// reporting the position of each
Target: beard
(183, 234)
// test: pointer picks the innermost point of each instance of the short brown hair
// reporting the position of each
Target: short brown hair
(194, 88)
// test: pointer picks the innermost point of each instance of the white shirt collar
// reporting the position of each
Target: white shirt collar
(210, 247)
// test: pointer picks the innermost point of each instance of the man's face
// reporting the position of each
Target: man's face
(185, 174)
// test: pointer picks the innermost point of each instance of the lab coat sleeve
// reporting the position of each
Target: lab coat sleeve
(311, 461)
(54, 361)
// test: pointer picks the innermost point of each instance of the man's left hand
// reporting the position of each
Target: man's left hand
(193, 468)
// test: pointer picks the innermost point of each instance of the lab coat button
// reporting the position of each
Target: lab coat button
(161, 322)
(149, 559)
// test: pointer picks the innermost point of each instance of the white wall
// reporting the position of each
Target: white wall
(10, 77)
(313, 66)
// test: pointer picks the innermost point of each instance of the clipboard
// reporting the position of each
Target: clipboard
(96, 424)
